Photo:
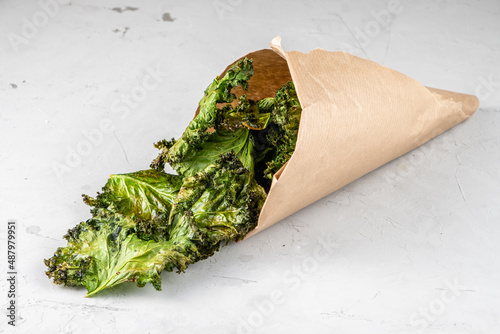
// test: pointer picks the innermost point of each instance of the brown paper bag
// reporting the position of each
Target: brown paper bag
(356, 116)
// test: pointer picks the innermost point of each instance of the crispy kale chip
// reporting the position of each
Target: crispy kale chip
(217, 205)
(184, 154)
(149, 221)
(283, 133)
(146, 197)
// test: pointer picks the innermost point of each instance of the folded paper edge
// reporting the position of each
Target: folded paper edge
(469, 103)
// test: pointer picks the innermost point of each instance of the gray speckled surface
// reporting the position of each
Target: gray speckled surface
(409, 248)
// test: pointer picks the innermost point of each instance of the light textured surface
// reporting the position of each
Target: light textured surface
(409, 248)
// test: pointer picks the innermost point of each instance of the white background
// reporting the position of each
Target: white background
(409, 248)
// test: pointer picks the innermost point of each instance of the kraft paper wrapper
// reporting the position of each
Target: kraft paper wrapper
(356, 116)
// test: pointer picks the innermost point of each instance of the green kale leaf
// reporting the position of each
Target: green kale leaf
(149, 221)
(217, 205)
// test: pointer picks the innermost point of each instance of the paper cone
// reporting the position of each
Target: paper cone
(356, 116)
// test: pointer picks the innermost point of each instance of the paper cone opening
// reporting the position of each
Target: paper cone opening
(270, 73)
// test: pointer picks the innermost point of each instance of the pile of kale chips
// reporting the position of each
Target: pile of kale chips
(149, 221)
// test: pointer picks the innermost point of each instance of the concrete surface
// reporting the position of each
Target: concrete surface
(410, 248)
